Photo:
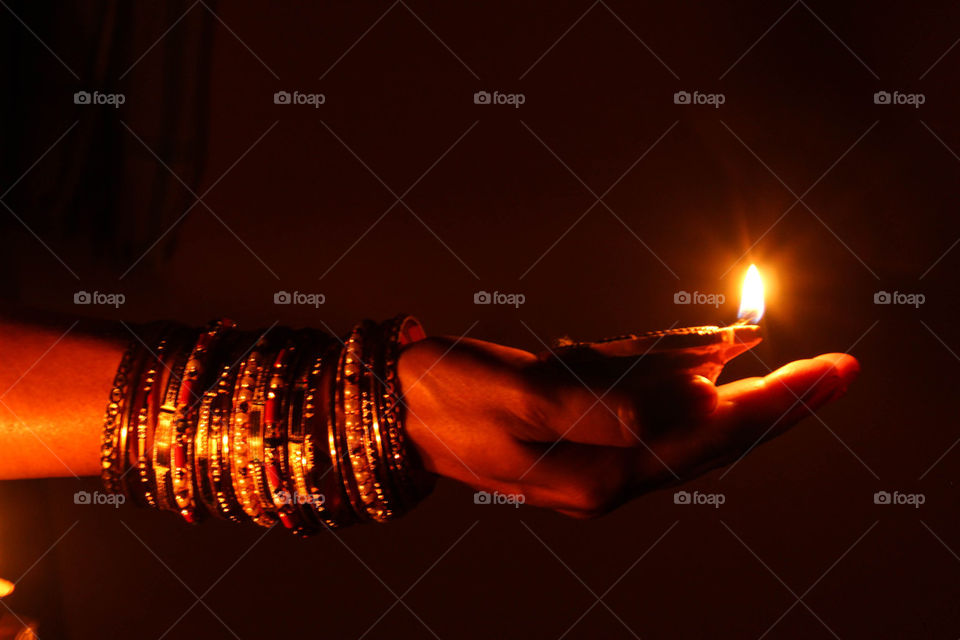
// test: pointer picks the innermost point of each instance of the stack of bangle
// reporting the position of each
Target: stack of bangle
(295, 427)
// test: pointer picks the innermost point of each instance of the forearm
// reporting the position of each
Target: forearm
(358, 422)
(291, 426)
(55, 377)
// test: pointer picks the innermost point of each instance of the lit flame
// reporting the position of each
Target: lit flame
(751, 298)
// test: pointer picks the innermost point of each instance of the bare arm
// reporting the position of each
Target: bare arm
(54, 383)
(481, 413)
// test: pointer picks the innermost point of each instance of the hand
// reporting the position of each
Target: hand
(500, 419)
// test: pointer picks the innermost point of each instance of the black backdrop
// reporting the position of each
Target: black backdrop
(505, 199)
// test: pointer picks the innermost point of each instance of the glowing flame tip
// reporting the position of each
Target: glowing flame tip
(751, 297)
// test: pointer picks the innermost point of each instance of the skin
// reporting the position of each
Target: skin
(493, 417)
(500, 419)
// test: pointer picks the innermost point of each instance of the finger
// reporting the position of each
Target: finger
(789, 393)
(754, 410)
(585, 480)
(627, 415)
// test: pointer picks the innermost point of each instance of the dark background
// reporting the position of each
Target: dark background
(505, 188)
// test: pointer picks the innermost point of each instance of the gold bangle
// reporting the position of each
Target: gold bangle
(380, 509)
(304, 429)
(145, 408)
(319, 478)
(111, 460)
(323, 402)
(227, 505)
(201, 454)
(248, 468)
(410, 482)
(162, 440)
(357, 438)
(291, 453)
(189, 396)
